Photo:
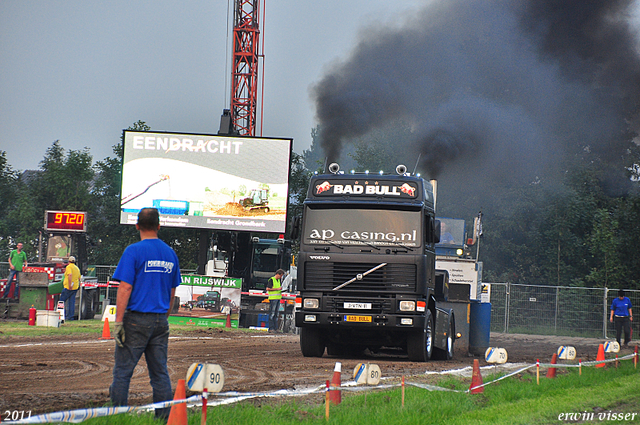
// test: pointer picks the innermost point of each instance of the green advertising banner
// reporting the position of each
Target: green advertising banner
(208, 301)
(196, 321)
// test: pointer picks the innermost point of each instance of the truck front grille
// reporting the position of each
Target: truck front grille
(394, 277)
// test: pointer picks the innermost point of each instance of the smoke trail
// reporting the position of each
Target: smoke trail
(512, 85)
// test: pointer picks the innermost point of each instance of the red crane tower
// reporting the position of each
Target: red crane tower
(244, 88)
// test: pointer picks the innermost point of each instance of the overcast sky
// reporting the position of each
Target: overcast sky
(80, 71)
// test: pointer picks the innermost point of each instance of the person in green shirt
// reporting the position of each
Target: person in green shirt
(17, 261)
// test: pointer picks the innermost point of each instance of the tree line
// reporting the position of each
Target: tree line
(570, 231)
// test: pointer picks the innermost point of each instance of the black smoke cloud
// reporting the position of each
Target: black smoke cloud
(512, 85)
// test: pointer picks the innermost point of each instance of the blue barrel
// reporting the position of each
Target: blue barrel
(479, 327)
(263, 320)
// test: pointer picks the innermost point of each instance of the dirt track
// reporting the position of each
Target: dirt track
(47, 374)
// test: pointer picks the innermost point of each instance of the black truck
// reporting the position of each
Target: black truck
(366, 269)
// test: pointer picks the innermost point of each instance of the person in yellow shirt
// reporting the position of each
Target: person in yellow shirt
(71, 284)
(274, 289)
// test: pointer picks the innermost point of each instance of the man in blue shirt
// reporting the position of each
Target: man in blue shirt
(149, 274)
(623, 315)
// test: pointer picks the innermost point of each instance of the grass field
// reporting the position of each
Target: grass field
(21, 328)
(597, 396)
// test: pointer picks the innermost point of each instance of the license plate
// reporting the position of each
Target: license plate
(358, 306)
(357, 318)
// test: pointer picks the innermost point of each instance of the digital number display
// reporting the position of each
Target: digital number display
(70, 221)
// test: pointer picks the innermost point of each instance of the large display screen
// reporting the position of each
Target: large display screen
(205, 181)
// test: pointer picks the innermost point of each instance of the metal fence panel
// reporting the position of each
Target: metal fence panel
(499, 303)
(104, 273)
(517, 308)
(555, 310)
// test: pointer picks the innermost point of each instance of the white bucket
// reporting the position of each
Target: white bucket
(48, 318)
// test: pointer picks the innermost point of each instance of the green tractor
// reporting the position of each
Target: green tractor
(258, 199)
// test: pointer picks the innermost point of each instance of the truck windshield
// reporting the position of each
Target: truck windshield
(451, 232)
(358, 226)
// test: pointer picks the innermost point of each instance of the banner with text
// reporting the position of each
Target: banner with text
(208, 300)
(206, 181)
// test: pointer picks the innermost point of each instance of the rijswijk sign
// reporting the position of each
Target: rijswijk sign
(207, 301)
(201, 301)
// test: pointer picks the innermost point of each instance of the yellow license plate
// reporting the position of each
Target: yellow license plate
(357, 318)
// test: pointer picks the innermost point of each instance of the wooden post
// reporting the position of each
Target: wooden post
(326, 402)
(403, 391)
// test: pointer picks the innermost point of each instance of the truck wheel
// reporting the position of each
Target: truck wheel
(420, 343)
(447, 353)
(88, 307)
(311, 342)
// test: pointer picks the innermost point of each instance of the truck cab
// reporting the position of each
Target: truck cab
(366, 269)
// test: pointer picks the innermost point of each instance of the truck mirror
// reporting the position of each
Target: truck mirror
(295, 228)
(436, 231)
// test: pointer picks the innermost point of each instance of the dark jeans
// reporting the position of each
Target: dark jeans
(70, 307)
(274, 306)
(146, 333)
(622, 323)
(16, 291)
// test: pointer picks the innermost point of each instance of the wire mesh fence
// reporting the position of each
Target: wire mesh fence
(518, 308)
(105, 273)
(555, 310)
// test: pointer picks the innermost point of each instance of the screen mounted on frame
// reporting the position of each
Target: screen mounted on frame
(205, 181)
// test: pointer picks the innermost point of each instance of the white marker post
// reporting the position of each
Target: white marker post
(496, 355)
(109, 313)
(203, 375)
(367, 373)
(566, 352)
(60, 310)
(611, 347)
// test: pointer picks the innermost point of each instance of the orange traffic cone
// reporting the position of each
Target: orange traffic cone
(335, 395)
(476, 379)
(178, 414)
(228, 325)
(106, 332)
(600, 356)
(551, 373)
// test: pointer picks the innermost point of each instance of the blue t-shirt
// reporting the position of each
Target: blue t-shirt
(152, 268)
(621, 307)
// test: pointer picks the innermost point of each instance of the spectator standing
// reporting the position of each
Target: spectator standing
(71, 284)
(274, 289)
(149, 273)
(17, 261)
(622, 316)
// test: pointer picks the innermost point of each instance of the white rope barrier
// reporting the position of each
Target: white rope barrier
(230, 397)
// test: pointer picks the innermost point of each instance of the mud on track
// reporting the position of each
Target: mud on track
(47, 374)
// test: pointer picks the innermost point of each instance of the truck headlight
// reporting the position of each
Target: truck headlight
(407, 306)
(311, 303)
